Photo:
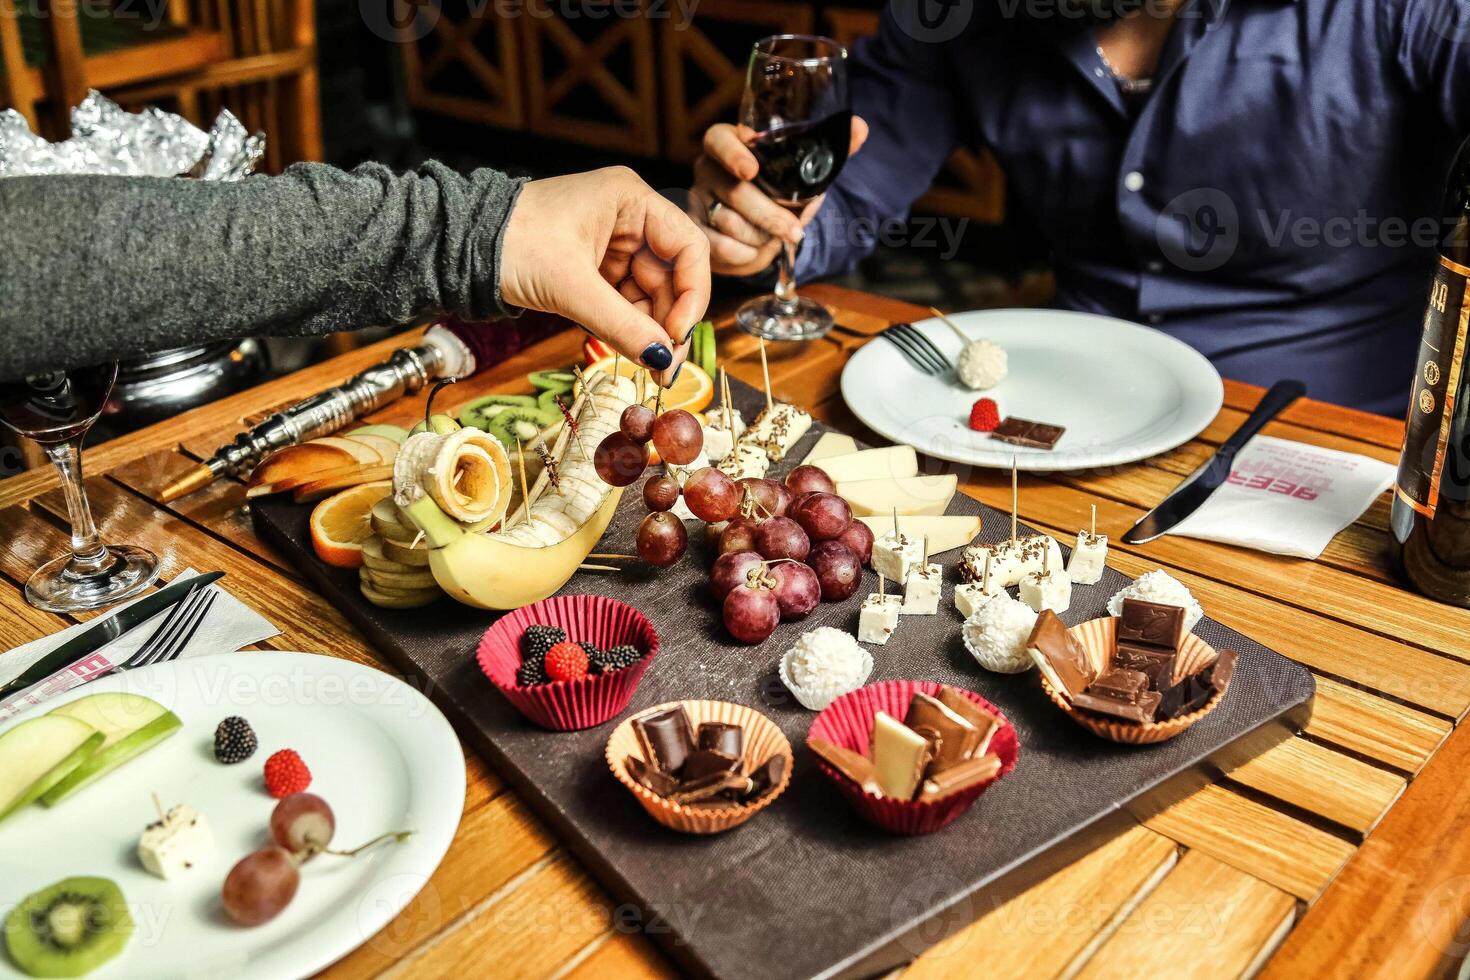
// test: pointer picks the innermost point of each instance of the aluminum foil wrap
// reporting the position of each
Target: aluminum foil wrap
(152, 143)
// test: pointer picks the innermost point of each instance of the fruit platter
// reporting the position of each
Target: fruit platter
(760, 676)
(216, 825)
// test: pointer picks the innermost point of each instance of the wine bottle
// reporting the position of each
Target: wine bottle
(1431, 501)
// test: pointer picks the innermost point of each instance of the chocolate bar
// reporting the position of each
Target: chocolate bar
(1024, 432)
(1139, 711)
(951, 738)
(900, 755)
(1154, 663)
(1222, 670)
(985, 722)
(650, 778)
(854, 765)
(1151, 624)
(1189, 694)
(1119, 684)
(1060, 657)
(666, 738)
(977, 770)
(719, 784)
(765, 778)
(706, 762)
(719, 736)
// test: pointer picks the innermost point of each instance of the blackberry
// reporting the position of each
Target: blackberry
(531, 673)
(234, 740)
(615, 659)
(537, 640)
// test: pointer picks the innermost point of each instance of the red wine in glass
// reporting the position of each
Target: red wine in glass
(56, 409)
(799, 161)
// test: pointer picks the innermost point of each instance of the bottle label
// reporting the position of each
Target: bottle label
(1436, 383)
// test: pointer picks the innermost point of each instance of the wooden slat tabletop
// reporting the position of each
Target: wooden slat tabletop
(1343, 851)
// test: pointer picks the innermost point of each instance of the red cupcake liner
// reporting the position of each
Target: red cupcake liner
(848, 722)
(565, 706)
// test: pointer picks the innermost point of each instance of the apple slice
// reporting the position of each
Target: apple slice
(314, 490)
(377, 558)
(37, 754)
(130, 725)
(389, 525)
(386, 448)
(397, 433)
(307, 460)
(360, 451)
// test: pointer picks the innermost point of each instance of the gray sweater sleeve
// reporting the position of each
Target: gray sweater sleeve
(96, 268)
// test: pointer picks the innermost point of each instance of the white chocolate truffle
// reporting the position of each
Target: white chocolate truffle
(1159, 586)
(824, 664)
(878, 618)
(996, 635)
(982, 364)
(178, 843)
(1089, 558)
(921, 591)
(1051, 590)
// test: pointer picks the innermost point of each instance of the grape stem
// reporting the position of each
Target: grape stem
(313, 848)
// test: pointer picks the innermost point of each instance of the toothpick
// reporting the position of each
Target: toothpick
(1094, 520)
(616, 359)
(766, 373)
(416, 539)
(880, 587)
(658, 403)
(926, 554)
(588, 567)
(612, 554)
(896, 534)
(1015, 499)
(159, 807)
(985, 578)
(525, 486)
(964, 338)
(1045, 562)
(725, 403)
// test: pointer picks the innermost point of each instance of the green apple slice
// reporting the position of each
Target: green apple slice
(395, 432)
(37, 754)
(130, 725)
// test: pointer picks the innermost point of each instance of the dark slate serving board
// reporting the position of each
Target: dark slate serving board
(806, 888)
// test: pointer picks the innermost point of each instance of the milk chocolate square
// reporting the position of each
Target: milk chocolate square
(951, 738)
(977, 770)
(1061, 658)
(985, 722)
(666, 738)
(1153, 662)
(1119, 684)
(1151, 624)
(1139, 711)
(854, 765)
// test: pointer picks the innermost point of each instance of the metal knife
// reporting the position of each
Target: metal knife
(1186, 498)
(104, 632)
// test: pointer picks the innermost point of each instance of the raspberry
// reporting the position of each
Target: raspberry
(615, 659)
(234, 741)
(285, 774)
(984, 415)
(566, 662)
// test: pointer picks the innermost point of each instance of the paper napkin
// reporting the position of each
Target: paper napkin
(228, 626)
(1288, 498)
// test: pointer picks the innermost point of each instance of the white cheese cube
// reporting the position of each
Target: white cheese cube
(878, 618)
(894, 555)
(921, 591)
(748, 459)
(970, 596)
(778, 428)
(1050, 590)
(1089, 558)
(177, 843)
(717, 443)
(1011, 561)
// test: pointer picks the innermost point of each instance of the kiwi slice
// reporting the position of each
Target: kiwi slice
(481, 411)
(552, 380)
(523, 424)
(546, 401)
(69, 929)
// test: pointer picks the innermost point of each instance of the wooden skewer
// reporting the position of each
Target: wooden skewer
(985, 578)
(926, 555)
(588, 567)
(766, 373)
(612, 554)
(1045, 562)
(1015, 498)
(159, 807)
(964, 338)
(896, 534)
(525, 487)
(880, 587)
(1094, 520)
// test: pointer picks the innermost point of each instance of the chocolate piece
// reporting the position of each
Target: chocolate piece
(1119, 684)
(666, 738)
(951, 738)
(855, 766)
(1151, 624)
(706, 762)
(1222, 670)
(1061, 658)
(980, 769)
(985, 722)
(1154, 663)
(900, 754)
(710, 787)
(765, 778)
(1139, 711)
(651, 778)
(718, 736)
(1024, 432)
(1188, 694)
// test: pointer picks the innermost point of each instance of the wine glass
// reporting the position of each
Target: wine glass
(797, 114)
(56, 410)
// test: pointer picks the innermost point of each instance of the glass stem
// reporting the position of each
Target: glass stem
(786, 277)
(88, 554)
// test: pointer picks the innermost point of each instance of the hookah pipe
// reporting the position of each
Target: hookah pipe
(448, 351)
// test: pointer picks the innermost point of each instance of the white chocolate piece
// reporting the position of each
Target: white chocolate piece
(177, 843)
(899, 755)
(1089, 558)
(894, 555)
(1047, 590)
(970, 596)
(1011, 561)
(777, 429)
(878, 618)
(921, 591)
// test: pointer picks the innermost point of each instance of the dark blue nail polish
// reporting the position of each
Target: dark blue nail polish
(688, 334)
(657, 356)
(676, 373)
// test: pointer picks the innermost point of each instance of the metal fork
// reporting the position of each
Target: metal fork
(919, 349)
(175, 632)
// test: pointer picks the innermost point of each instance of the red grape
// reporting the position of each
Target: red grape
(859, 537)
(732, 570)
(822, 516)
(678, 437)
(838, 570)
(711, 495)
(662, 539)
(751, 612)
(809, 479)
(739, 535)
(303, 823)
(637, 423)
(784, 497)
(619, 460)
(660, 493)
(260, 886)
(765, 493)
(781, 537)
(797, 588)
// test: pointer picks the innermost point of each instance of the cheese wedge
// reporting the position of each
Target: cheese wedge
(831, 444)
(944, 533)
(889, 463)
(911, 495)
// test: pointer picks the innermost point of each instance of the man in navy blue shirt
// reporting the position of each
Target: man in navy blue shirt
(1259, 178)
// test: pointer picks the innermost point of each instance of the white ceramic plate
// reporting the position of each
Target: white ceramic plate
(380, 753)
(1124, 392)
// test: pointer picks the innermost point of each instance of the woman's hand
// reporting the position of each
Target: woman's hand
(604, 249)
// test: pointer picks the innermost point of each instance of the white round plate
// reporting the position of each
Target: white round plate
(380, 753)
(1124, 392)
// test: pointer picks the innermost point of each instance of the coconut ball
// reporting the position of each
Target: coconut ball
(982, 364)
(1161, 587)
(823, 665)
(996, 634)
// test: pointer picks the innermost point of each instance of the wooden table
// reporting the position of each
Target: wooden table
(1343, 851)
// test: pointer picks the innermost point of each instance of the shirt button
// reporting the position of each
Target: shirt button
(1155, 266)
(1133, 181)
(1156, 318)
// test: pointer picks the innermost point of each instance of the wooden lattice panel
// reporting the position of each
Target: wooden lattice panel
(467, 65)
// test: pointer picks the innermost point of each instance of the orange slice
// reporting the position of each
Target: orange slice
(692, 392)
(341, 523)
